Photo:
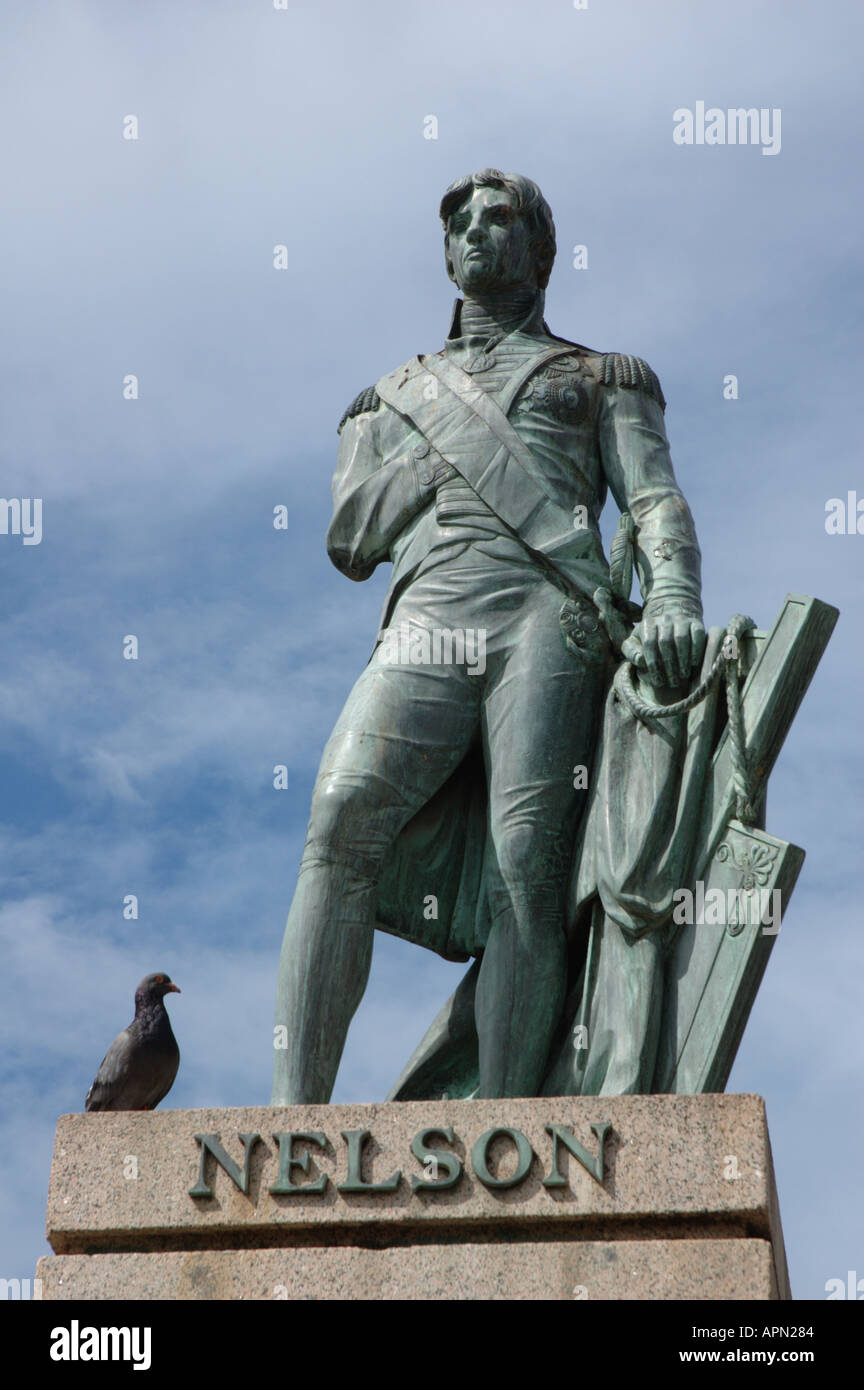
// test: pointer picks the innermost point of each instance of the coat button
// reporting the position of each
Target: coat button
(421, 450)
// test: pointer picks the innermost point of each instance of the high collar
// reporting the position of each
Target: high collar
(533, 323)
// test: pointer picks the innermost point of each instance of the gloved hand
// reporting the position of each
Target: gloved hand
(432, 469)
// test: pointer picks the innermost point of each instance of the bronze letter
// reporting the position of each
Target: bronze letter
(210, 1142)
(287, 1161)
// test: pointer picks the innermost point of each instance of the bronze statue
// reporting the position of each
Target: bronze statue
(480, 473)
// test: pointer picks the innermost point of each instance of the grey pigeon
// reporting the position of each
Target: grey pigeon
(139, 1068)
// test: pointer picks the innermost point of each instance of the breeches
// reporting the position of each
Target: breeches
(416, 710)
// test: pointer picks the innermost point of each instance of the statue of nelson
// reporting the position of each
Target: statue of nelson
(480, 473)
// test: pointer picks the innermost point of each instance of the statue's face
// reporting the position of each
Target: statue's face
(488, 244)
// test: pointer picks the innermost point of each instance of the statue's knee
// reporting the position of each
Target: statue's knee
(530, 858)
(343, 826)
(337, 809)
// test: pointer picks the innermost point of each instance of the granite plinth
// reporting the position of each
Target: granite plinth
(553, 1270)
(622, 1197)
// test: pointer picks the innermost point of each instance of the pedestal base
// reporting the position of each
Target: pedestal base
(624, 1197)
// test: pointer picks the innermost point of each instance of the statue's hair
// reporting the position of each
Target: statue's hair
(529, 202)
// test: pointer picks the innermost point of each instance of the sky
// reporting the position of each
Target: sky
(306, 127)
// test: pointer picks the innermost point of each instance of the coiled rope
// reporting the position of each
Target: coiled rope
(726, 661)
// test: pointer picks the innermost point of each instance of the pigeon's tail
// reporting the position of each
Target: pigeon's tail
(95, 1099)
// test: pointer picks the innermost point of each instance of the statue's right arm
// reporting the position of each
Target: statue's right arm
(373, 501)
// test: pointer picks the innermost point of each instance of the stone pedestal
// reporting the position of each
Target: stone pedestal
(624, 1197)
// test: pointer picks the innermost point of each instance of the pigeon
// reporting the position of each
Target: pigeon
(139, 1068)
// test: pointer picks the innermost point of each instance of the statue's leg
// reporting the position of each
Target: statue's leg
(401, 734)
(540, 723)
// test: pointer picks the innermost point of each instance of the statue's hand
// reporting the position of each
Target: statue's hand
(668, 644)
(432, 475)
(431, 470)
(443, 473)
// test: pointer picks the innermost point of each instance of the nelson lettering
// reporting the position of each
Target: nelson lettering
(501, 1158)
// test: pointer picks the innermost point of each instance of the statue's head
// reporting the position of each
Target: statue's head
(498, 232)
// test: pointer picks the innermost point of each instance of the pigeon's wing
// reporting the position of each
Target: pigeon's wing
(106, 1093)
(165, 1081)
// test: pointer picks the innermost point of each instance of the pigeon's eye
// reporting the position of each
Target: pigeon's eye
(160, 979)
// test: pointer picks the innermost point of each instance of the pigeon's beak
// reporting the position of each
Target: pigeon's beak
(172, 989)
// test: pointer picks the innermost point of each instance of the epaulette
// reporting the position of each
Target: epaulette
(617, 369)
(367, 400)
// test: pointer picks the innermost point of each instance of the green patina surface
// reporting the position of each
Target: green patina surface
(487, 792)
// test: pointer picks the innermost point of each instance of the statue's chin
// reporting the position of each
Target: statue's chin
(483, 282)
(478, 284)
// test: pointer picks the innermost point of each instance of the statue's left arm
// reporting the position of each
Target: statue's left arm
(635, 455)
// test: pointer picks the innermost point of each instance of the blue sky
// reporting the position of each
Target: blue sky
(305, 127)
